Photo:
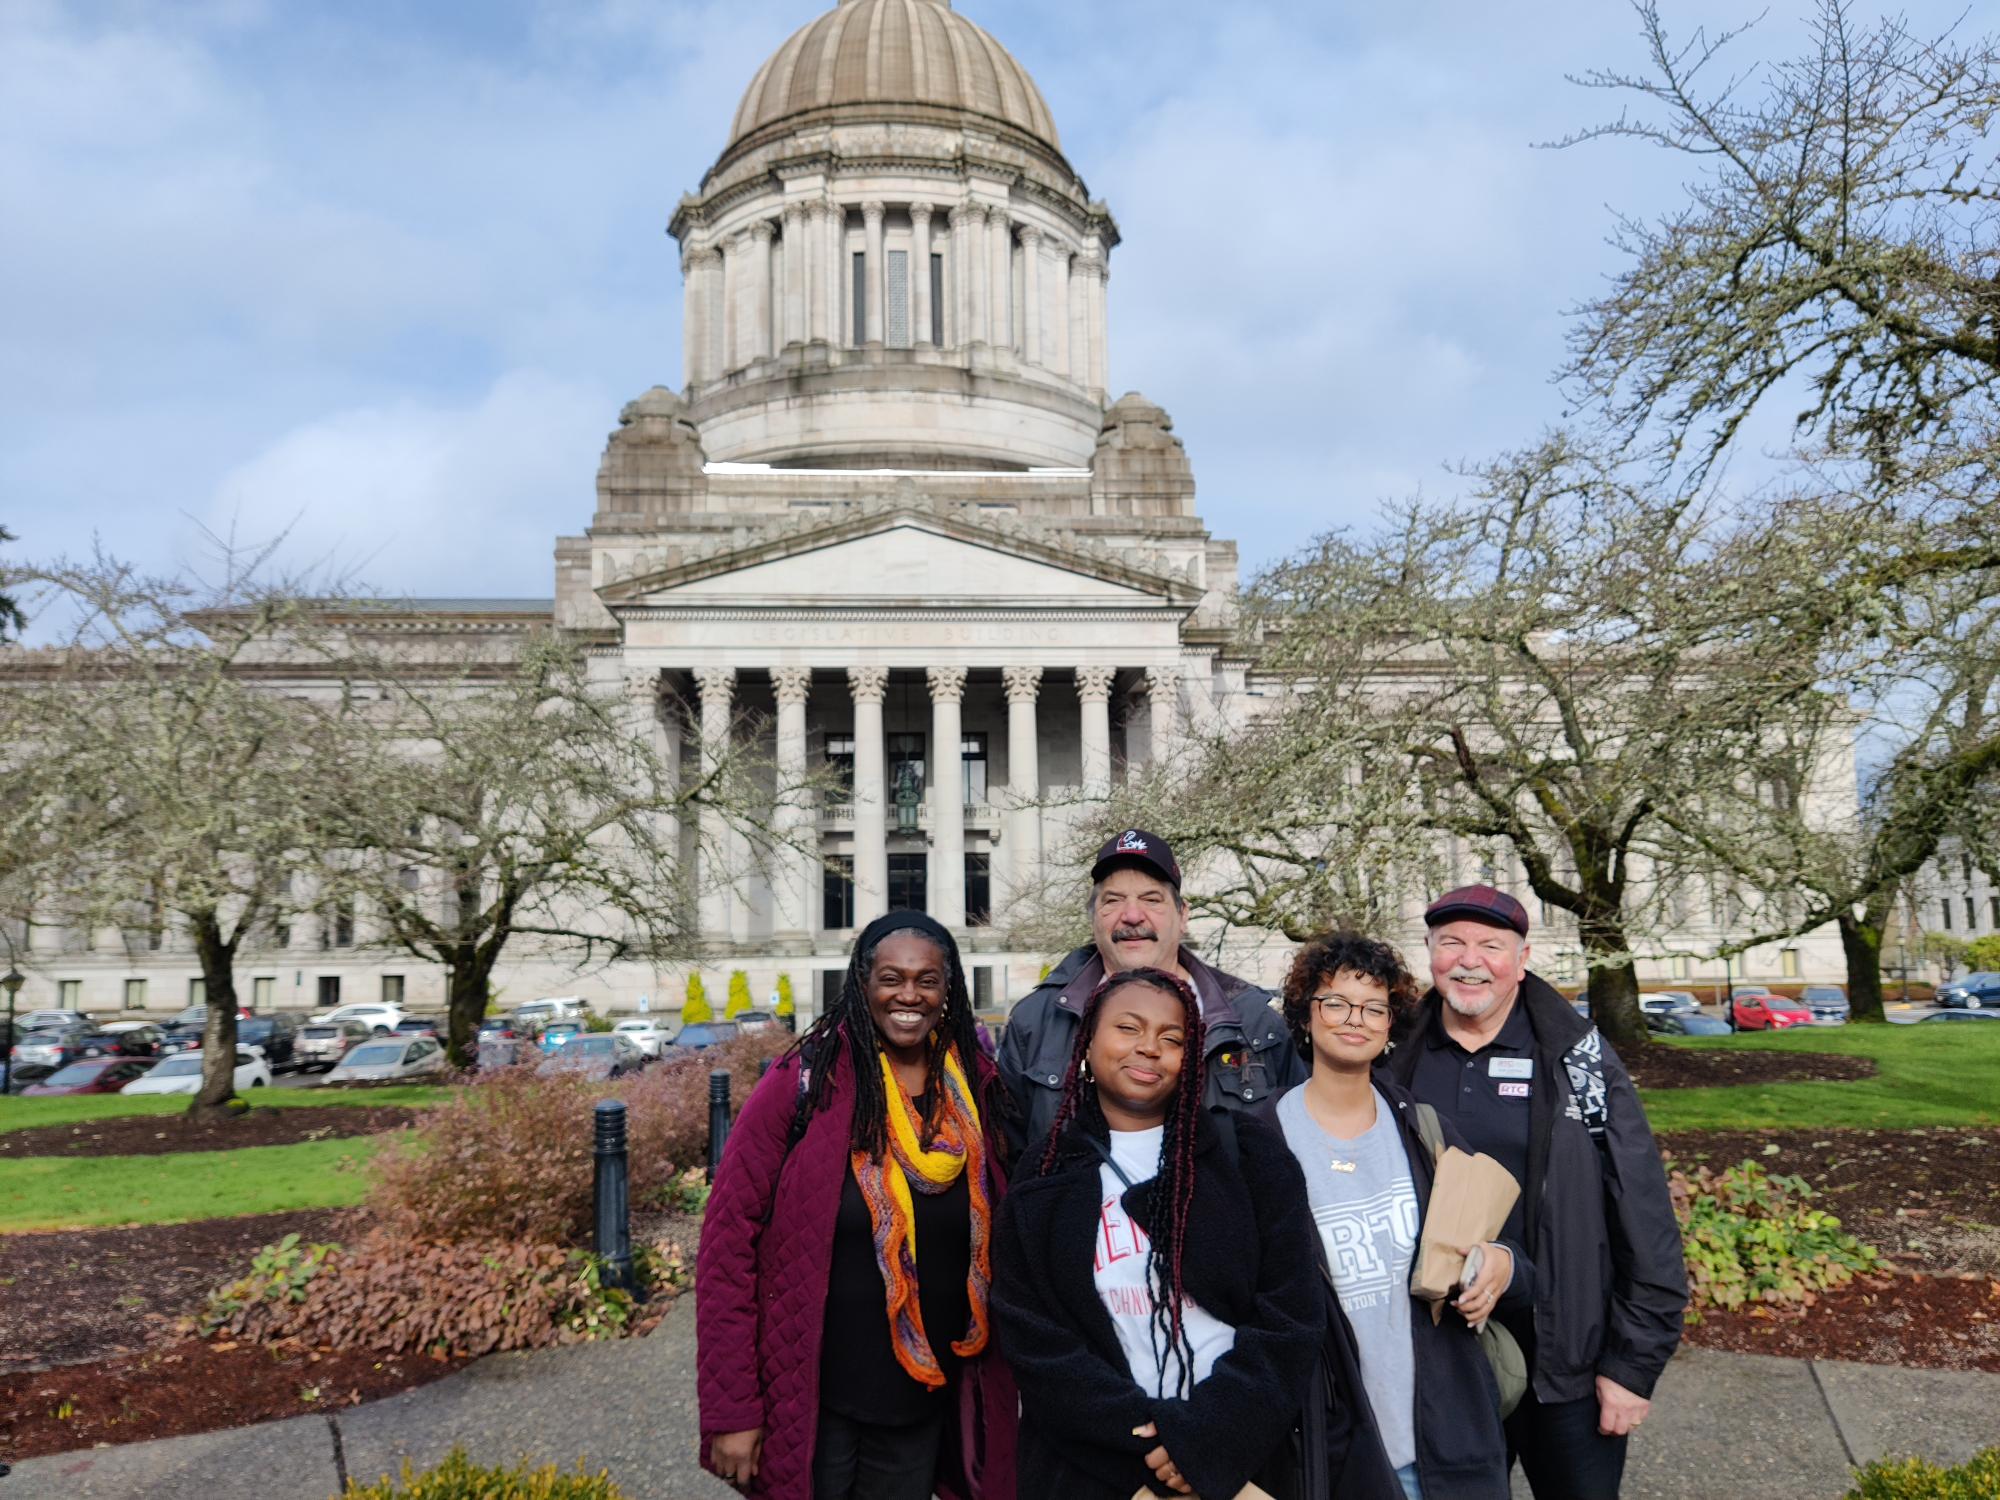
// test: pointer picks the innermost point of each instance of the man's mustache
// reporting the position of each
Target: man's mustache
(1468, 975)
(1123, 931)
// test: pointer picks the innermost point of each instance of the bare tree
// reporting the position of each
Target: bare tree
(11, 617)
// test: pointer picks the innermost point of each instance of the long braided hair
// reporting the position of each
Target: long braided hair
(1173, 1188)
(849, 1023)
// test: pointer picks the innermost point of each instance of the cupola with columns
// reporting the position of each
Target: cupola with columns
(892, 264)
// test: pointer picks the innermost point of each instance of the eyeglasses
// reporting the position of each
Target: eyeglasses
(1371, 1012)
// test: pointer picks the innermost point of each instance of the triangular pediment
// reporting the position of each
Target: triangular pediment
(904, 558)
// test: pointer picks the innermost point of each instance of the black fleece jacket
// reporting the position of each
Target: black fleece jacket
(1248, 1261)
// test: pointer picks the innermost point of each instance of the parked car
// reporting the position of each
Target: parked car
(58, 1046)
(181, 1074)
(1668, 1002)
(1827, 1002)
(380, 1019)
(390, 1060)
(178, 1037)
(557, 1034)
(197, 1016)
(537, 1013)
(748, 1021)
(42, 1020)
(643, 1034)
(1961, 1015)
(321, 1044)
(605, 1054)
(434, 1026)
(23, 1076)
(1686, 1023)
(1760, 1010)
(1977, 991)
(92, 1075)
(276, 1036)
(705, 1034)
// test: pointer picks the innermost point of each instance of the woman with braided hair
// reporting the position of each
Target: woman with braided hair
(1153, 1279)
(843, 1282)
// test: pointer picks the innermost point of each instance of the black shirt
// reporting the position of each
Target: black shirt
(859, 1377)
(1485, 1094)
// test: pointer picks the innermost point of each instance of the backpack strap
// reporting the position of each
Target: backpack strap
(1429, 1131)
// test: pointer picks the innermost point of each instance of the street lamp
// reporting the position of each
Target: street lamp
(12, 985)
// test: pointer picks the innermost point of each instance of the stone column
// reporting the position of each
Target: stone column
(836, 240)
(761, 319)
(871, 809)
(1024, 780)
(1093, 691)
(920, 274)
(947, 796)
(1000, 294)
(796, 817)
(714, 356)
(967, 271)
(1163, 700)
(694, 317)
(1078, 308)
(1093, 285)
(813, 268)
(735, 261)
(1031, 294)
(794, 331)
(714, 869)
(875, 271)
(1056, 341)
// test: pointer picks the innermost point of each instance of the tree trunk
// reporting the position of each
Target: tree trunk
(1861, 942)
(471, 983)
(218, 1033)
(1614, 982)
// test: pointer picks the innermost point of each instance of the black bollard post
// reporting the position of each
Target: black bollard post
(718, 1117)
(614, 1196)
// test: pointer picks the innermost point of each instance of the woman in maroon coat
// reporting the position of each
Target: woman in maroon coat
(841, 1314)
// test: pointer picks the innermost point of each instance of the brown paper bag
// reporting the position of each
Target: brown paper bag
(1248, 1492)
(1470, 1200)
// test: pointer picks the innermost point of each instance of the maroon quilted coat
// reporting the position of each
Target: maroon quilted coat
(760, 1295)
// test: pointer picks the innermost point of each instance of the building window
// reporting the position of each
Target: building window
(69, 994)
(840, 760)
(1681, 966)
(909, 877)
(905, 750)
(978, 890)
(1996, 910)
(1944, 910)
(1965, 864)
(837, 893)
(392, 989)
(329, 991)
(860, 299)
(1971, 915)
(937, 300)
(197, 992)
(830, 981)
(982, 987)
(897, 323)
(973, 753)
(336, 926)
(1788, 962)
(135, 994)
(263, 992)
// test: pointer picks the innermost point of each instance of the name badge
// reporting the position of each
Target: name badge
(1510, 1067)
(1513, 1091)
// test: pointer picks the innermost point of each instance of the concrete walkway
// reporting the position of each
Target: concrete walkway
(1748, 1427)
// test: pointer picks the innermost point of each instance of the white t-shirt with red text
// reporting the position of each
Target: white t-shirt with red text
(1119, 1267)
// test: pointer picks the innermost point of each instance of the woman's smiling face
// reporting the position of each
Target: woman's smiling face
(906, 992)
(1136, 1053)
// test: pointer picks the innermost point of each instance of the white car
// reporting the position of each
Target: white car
(560, 1008)
(181, 1074)
(390, 1060)
(380, 1019)
(643, 1034)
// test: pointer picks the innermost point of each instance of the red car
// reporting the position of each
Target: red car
(1760, 1010)
(91, 1075)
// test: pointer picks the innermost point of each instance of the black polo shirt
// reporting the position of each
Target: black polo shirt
(1485, 1094)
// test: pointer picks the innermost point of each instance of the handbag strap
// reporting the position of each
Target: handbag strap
(1430, 1132)
(1104, 1153)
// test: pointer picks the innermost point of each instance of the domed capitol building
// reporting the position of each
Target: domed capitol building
(893, 520)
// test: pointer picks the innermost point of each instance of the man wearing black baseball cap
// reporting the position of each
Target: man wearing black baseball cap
(1534, 1085)
(1139, 920)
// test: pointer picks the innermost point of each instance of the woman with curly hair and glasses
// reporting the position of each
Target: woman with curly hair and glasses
(1153, 1279)
(1410, 1406)
(845, 1269)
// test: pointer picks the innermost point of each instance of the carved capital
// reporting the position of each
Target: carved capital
(947, 684)
(717, 685)
(795, 213)
(792, 683)
(642, 688)
(868, 684)
(872, 212)
(964, 214)
(1163, 682)
(1030, 237)
(998, 217)
(1023, 683)
(920, 213)
(762, 231)
(1093, 684)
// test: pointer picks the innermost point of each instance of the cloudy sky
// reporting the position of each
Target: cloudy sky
(383, 273)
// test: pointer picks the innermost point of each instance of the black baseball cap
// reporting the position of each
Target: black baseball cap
(1478, 903)
(1140, 850)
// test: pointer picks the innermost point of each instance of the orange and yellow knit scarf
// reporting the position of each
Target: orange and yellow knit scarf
(885, 1187)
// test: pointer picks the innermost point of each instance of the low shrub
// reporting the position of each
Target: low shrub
(592, 1021)
(788, 1004)
(279, 1275)
(458, 1478)
(1913, 1479)
(696, 1008)
(739, 994)
(1751, 1237)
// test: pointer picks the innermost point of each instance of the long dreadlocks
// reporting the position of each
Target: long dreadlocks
(1173, 1188)
(848, 1022)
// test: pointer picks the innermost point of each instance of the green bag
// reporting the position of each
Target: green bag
(1501, 1348)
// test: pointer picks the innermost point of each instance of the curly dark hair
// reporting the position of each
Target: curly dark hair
(1334, 953)
(1174, 1189)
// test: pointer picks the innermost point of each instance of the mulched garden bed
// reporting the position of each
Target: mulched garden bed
(1924, 1322)
(1670, 1067)
(192, 1386)
(158, 1135)
(89, 1294)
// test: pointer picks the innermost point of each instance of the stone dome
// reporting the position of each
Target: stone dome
(874, 53)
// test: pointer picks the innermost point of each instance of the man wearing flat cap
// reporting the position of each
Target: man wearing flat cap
(1534, 1085)
(1138, 919)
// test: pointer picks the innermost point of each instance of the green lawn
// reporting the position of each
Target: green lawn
(1926, 1075)
(22, 1114)
(46, 1192)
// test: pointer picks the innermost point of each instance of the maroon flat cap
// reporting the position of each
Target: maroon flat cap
(1478, 903)
(1146, 851)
